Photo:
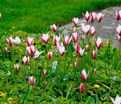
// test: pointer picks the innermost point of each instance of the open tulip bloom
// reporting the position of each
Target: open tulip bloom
(86, 16)
(98, 42)
(30, 41)
(118, 30)
(56, 39)
(118, 15)
(44, 38)
(117, 100)
(17, 41)
(92, 30)
(92, 17)
(100, 16)
(85, 28)
(75, 37)
(30, 50)
(37, 54)
(54, 28)
(26, 60)
(66, 40)
(10, 41)
(75, 21)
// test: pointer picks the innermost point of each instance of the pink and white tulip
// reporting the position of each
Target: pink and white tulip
(94, 54)
(31, 80)
(86, 16)
(98, 42)
(17, 41)
(54, 28)
(66, 40)
(85, 28)
(84, 75)
(81, 52)
(44, 72)
(26, 60)
(50, 54)
(119, 37)
(77, 47)
(100, 16)
(30, 41)
(30, 50)
(17, 67)
(44, 38)
(56, 39)
(10, 41)
(118, 29)
(92, 30)
(116, 101)
(61, 49)
(75, 64)
(75, 37)
(118, 15)
(87, 47)
(37, 54)
(92, 17)
(75, 21)
(82, 88)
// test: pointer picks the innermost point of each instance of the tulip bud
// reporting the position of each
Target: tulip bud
(45, 82)
(10, 41)
(82, 88)
(84, 75)
(26, 60)
(17, 67)
(44, 72)
(94, 54)
(87, 47)
(50, 55)
(5, 49)
(31, 80)
(75, 64)
(54, 28)
(95, 71)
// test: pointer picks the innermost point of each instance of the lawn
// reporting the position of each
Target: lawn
(37, 15)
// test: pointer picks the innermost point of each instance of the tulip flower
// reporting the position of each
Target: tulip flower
(118, 15)
(61, 49)
(5, 49)
(84, 75)
(86, 16)
(30, 50)
(75, 37)
(44, 38)
(54, 28)
(118, 29)
(17, 41)
(117, 100)
(85, 28)
(17, 67)
(92, 17)
(56, 39)
(92, 30)
(81, 52)
(44, 72)
(10, 41)
(50, 55)
(66, 40)
(31, 80)
(87, 47)
(94, 54)
(75, 64)
(37, 53)
(98, 42)
(77, 47)
(119, 37)
(26, 60)
(30, 41)
(75, 21)
(100, 16)
(82, 88)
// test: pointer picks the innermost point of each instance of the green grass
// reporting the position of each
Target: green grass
(37, 15)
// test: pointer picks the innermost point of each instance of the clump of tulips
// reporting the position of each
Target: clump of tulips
(53, 65)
